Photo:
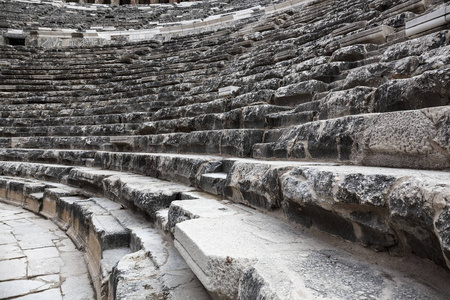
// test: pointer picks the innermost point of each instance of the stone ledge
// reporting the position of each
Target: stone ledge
(429, 22)
(108, 233)
(241, 254)
(375, 35)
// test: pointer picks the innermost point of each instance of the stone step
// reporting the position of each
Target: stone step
(246, 117)
(122, 251)
(289, 118)
(290, 180)
(235, 142)
(213, 183)
(361, 216)
(72, 130)
(137, 117)
(239, 253)
(356, 139)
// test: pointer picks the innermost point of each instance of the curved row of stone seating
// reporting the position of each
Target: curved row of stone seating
(318, 86)
(123, 250)
(339, 85)
(57, 14)
(242, 266)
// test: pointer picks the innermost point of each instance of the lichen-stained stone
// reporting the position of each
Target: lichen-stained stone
(350, 53)
(238, 142)
(184, 169)
(379, 208)
(403, 68)
(36, 170)
(349, 102)
(413, 204)
(254, 184)
(416, 46)
(254, 116)
(147, 194)
(415, 139)
(371, 75)
(295, 94)
(134, 278)
(201, 142)
(429, 89)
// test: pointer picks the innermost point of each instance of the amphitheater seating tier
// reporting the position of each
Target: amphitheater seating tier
(288, 138)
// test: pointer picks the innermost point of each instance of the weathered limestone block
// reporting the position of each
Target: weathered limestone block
(433, 59)
(339, 203)
(89, 178)
(403, 68)
(31, 170)
(372, 75)
(180, 211)
(331, 71)
(288, 118)
(201, 142)
(429, 89)
(295, 77)
(413, 204)
(376, 35)
(255, 116)
(349, 28)
(213, 183)
(350, 53)
(260, 96)
(239, 142)
(382, 208)
(348, 102)
(242, 254)
(416, 46)
(135, 277)
(185, 169)
(144, 193)
(254, 184)
(410, 139)
(295, 94)
(309, 63)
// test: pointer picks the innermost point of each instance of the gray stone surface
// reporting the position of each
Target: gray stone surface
(34, 265)
(246, 255)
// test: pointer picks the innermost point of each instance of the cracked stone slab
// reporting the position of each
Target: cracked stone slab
(38, 258)
(23, 287)
(248, 256)
(13, 269)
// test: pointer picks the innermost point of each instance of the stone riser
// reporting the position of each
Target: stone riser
(360, 204)
(418, 141)
(104, 239)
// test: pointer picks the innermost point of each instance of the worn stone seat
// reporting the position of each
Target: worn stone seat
(27, 120)
(320, 126)
(114, 238)
(71, 130)
(253, 260)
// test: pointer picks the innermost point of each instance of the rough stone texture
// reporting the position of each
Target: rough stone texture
(415, 138)
(335, 81)
(254, 185)
(251, 258)
(48, 260)
(348, 102)
(298, 93)
(105, 230)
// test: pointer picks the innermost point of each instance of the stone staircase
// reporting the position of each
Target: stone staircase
(298, 154)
